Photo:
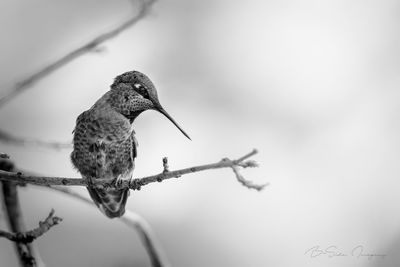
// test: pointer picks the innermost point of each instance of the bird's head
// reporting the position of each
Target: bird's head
(135, 93)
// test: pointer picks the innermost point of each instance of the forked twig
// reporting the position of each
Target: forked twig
(30, 236)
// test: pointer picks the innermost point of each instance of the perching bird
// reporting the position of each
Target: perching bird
(104, 140)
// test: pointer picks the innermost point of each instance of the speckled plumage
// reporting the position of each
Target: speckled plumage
(104, 140)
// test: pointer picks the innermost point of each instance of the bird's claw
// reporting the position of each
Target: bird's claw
(134, 184)
(90, 181)
(118, 182)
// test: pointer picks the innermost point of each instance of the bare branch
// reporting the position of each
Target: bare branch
(135, 221)
(134, 184)
(29, 236)
(86, 48)
(28, 254)
(14, 214)
(10, 139)
(252, 153)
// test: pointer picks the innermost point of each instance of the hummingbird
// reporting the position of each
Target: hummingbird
(104, 143)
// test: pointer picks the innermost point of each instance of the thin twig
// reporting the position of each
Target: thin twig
(29, 236)
(252, 153)
(86, 48)
(135, 221)
(134, 184)
(14, 140)
(246, 183)
(165, 165)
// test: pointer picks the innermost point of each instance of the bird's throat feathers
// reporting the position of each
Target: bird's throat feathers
(125, 102)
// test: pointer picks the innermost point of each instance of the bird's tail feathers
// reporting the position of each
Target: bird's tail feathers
(110, 201)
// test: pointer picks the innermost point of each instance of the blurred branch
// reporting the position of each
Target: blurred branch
(90, 46)
(10, 139)
(14, 214)
(146, 234)
(135, 221)
(28, 254)
(29, 236)
(136, 184)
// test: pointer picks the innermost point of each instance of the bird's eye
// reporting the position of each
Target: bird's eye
(138, 85)
(139, 88)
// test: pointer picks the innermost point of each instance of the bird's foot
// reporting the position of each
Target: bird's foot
(134, 184)
(118, 182)
(90, 181)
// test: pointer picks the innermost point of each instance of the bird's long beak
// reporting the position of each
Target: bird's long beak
(162, 110)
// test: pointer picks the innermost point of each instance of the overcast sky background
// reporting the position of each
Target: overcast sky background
(313, 85)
